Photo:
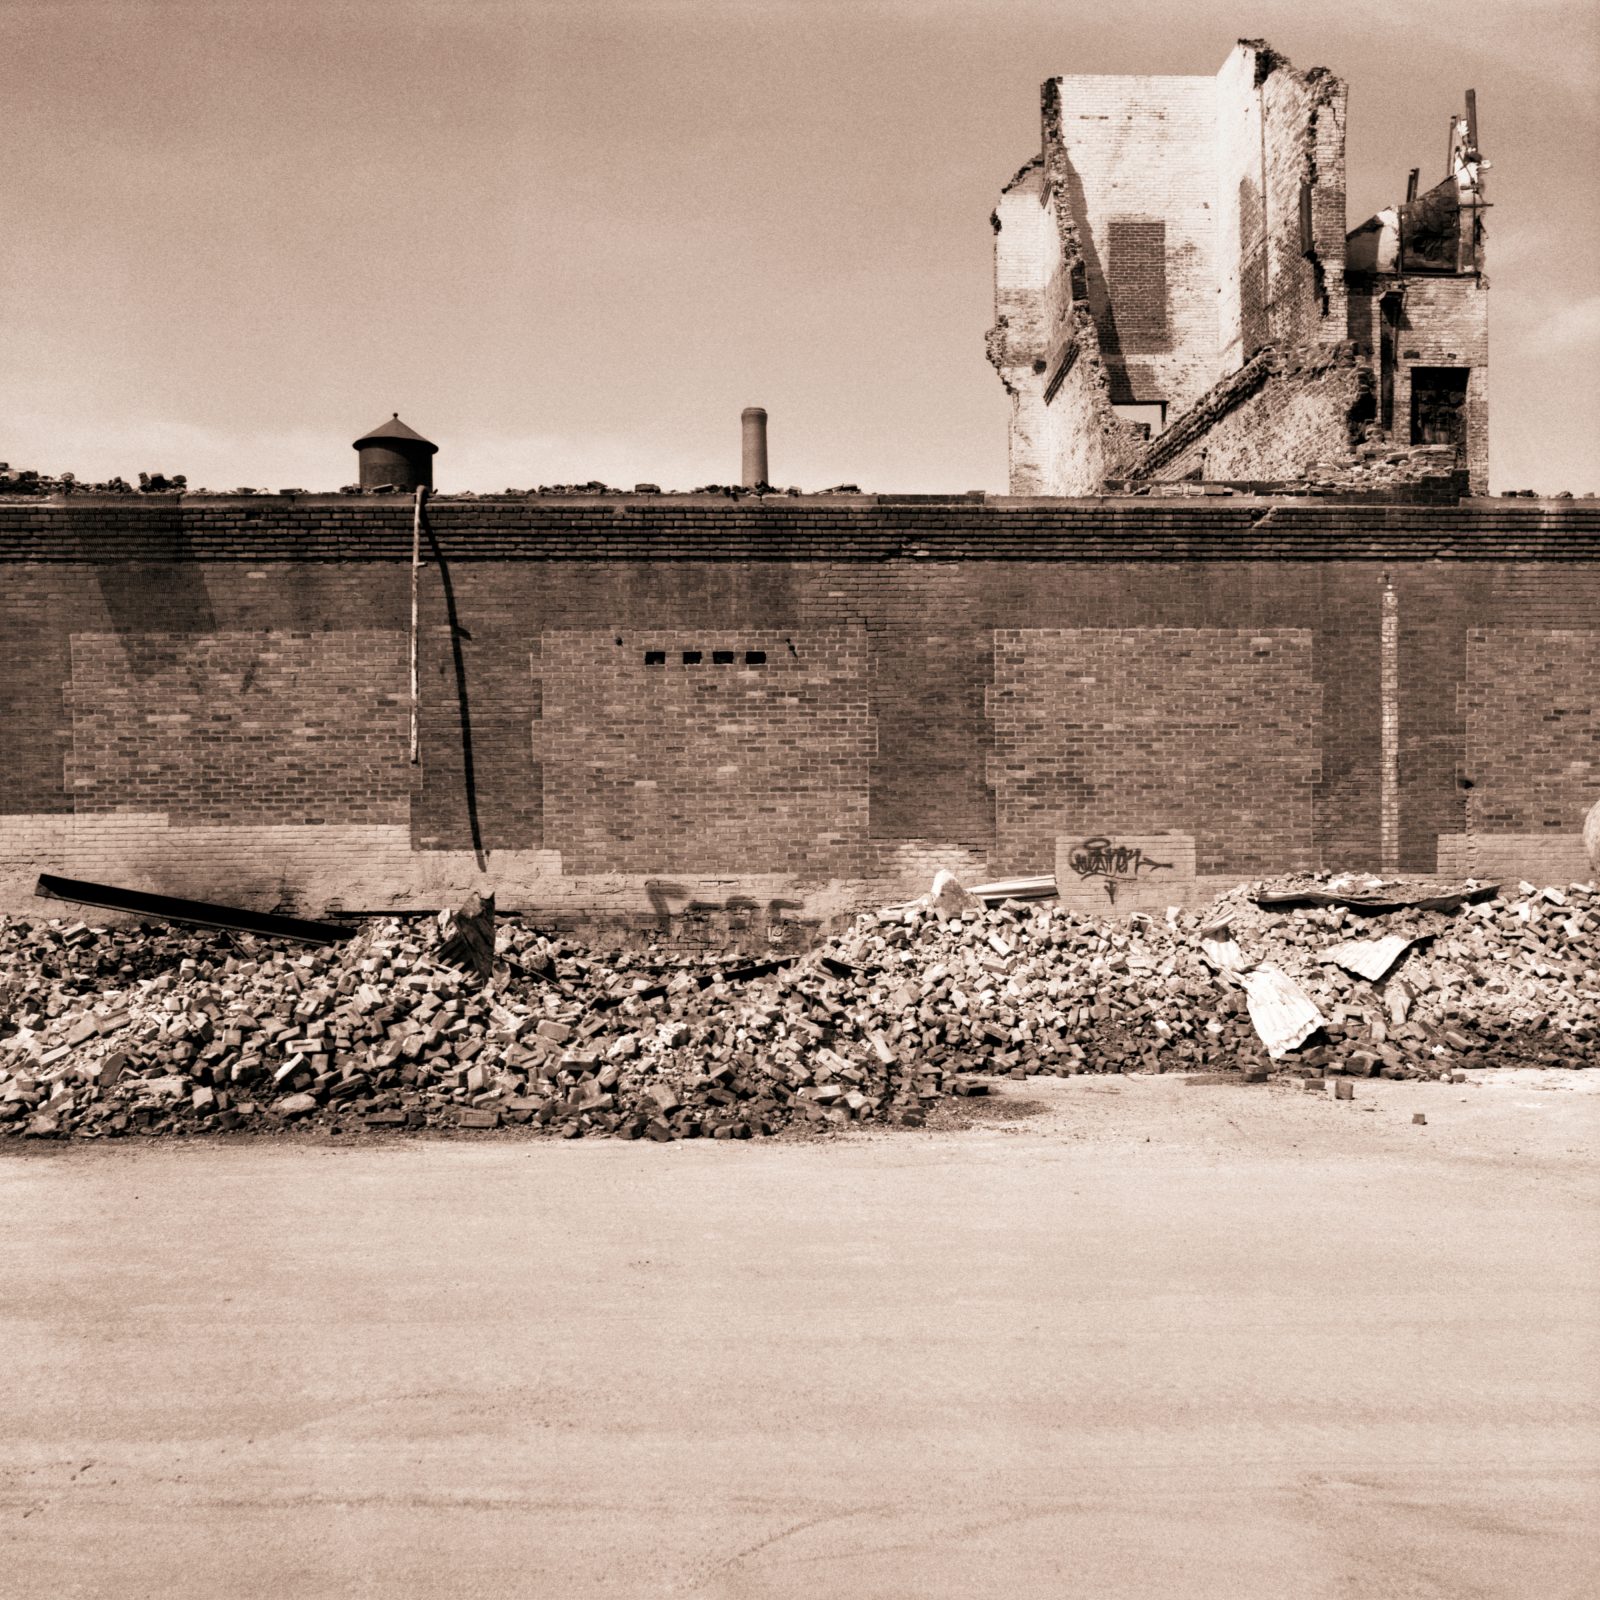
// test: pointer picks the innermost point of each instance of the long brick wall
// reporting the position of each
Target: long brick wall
(743, 718)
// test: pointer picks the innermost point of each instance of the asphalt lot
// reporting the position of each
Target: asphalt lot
(1126, 1338)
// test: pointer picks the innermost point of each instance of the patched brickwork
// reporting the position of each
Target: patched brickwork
(892, 604)
(733, 748)
(1532, 705)
(1138, 253)
(1156, 730)
(240, 728)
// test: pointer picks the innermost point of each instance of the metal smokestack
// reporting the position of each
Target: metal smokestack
(754, 422)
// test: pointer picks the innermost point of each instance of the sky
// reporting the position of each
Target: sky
(572, 239)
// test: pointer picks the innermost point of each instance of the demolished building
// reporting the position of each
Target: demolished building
(1177, 299)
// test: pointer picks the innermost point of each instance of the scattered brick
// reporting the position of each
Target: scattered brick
(905, 1006)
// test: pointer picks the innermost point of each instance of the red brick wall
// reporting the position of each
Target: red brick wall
(1445, 323)
(705, 765)
(1543, 683)
(876, 742)
(240, 727)
(1142, 730)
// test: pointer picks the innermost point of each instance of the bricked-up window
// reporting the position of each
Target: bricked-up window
(1439, 406)
(1138, 279)
(719, 658)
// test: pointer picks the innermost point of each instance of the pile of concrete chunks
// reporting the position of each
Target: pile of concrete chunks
(124, 1030)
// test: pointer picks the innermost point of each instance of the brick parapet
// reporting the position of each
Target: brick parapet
(97, 530)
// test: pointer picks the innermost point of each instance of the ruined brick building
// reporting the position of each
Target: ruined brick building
(1177, 298)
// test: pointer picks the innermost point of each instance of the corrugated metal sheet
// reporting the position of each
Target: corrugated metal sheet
(1221, 949)
(1369, 958)
(1281, 1011)
(1376, 900)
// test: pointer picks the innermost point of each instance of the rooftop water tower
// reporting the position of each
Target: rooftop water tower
(394, 456)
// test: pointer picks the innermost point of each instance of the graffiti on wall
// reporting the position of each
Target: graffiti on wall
(672, 902)
(1114, 864)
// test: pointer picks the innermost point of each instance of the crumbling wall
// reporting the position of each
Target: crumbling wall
(1305, 135)
(1136, 157)
(1065, 438)
(1282, 414)
(1280, 198)
(1033, 306)
(1444, 322)
(1200, 220)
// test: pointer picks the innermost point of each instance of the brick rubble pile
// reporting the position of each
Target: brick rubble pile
(107, 1032)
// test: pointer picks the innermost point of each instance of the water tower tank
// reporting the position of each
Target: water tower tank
(395, 456)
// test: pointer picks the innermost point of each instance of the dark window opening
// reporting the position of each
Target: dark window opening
(1439, 406)
(721, 658)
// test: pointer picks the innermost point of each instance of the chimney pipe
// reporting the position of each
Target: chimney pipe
(754, 421)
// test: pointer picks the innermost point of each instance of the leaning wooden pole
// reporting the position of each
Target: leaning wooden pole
(416, 564)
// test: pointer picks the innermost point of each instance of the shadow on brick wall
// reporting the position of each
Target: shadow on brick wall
(469, 780)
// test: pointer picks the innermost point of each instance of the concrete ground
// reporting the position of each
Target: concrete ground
(1130, 1338)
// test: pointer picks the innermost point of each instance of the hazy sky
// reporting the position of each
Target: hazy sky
(571, 240)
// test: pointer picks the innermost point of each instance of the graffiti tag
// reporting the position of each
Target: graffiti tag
(1113, 863)
(742, 913)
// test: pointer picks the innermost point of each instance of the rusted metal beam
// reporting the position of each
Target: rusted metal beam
(194, 913)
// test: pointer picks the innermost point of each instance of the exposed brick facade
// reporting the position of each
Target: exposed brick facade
(922, 701)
